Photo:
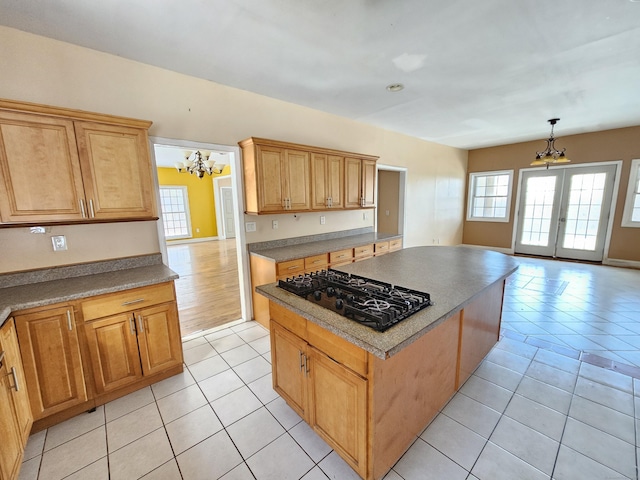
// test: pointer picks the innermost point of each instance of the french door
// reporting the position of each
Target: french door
(564, 212)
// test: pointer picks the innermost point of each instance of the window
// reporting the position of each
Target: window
(175, 212)
(631, 215)
(490, 196)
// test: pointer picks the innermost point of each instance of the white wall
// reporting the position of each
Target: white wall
(40, 70)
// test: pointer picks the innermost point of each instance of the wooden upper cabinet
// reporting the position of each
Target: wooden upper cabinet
(360, 182)
(62, 165)
(282, 177)
(327, 172)
(116, 170)
(40, 177)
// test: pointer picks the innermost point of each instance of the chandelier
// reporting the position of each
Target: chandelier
(198, 163)
(550, 155)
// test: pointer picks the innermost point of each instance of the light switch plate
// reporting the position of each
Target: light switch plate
(59, 243)
(250, 226)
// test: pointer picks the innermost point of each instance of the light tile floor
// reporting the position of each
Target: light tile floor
(536, 408)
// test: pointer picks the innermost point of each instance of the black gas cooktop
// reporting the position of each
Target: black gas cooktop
(372, 303)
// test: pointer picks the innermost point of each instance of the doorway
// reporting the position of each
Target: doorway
(218, 257)
(390, 200)
(564, 212)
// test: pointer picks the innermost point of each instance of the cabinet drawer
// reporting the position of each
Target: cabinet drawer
(317, 262)
(341, 256)
(381, 248)
(363, 250)
(395, 244)
(337, 348)
(289, 320)
(127, 300)
(289, 268)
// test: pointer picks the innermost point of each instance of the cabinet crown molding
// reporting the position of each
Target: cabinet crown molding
(297, 146)
(18, 106)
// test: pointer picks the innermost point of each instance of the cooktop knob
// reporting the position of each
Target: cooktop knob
(331, 291)
(350, 298)
(317, 295)
(339, 293)
(339, 304)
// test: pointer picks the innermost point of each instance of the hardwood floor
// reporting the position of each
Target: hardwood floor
(208, 290)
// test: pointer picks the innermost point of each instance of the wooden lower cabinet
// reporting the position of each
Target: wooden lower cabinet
(331, 398)
(128, 346)
(52, 360)
(368, 409)
(15, 411)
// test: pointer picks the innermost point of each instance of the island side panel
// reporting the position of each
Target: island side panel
(480, 329)
(407, 390)
(263, 271)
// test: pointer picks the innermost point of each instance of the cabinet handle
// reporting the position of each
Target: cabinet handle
(301, 357)
(2, 357)
(293, 267)
(131, 302)
(132, 325)
(140, 323)
(69, 324)
(82, 210)
(91, 211)
(15, 379)
(306, 365)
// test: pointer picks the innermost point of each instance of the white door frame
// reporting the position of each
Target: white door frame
(616, 186)
(218, 202)
(402, 196)
(238, 202)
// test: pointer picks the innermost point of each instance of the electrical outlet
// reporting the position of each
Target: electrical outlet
(250, 226)
(274, 224)
(365, 216)
(59, 243)
(322, 220)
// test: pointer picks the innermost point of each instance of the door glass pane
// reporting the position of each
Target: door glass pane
(586, 193)
(538, 208)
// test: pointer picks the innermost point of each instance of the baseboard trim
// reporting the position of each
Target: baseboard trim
(616, 262)
(192, 240)
(507, 251)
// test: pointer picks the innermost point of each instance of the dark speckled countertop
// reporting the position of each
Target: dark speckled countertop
(49, 286)
(453, 276)
(292, 252)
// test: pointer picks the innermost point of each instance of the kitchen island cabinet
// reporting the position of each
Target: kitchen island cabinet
(410, 371)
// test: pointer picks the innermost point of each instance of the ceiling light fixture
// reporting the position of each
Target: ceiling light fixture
(550, 155)
(395, 87)
(198, 164)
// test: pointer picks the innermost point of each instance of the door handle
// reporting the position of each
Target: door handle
(15, 379)
(301, 357)
(132, 325)
(141, 323)
(69, 324)
(563, 219)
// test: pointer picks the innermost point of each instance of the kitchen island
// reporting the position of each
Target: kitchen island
(369, 394)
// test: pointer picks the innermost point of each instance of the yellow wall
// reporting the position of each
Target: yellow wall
(201, 199)
(41, 70)
(619, 144)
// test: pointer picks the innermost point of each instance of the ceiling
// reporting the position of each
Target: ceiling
(475, 73)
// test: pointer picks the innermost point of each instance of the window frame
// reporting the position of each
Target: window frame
(634, 178)
(185, 197)
(471, 196)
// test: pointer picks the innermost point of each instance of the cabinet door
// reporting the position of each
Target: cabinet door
(338, 408)
(116, 169)
(288, 355)
(297, 180)
(368, 183)
(352, 182)
(319, 194)
(113, 347)
(18, 384)
(27, 194)
(159, 338)
(11, 448)
(335, 180)
(270, 161)
(52, 363)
